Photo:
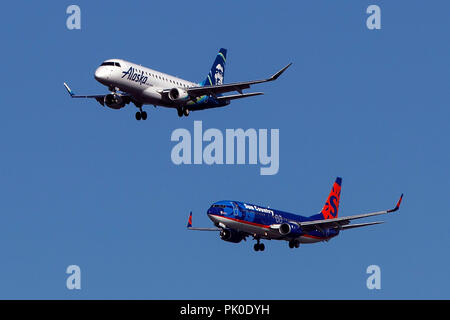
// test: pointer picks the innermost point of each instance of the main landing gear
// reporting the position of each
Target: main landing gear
(141, 115)
(258, 246)
(183, 112)
(294, 244)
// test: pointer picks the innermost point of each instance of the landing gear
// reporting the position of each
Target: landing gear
(183, 112)
(294, 244)
(258, 246)
(141, 115)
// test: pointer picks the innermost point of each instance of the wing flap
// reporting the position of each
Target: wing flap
(239, 96)
(359, 225)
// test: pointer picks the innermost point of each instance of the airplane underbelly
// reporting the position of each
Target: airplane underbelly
(306, 239)
(248, 227)
(314, 239)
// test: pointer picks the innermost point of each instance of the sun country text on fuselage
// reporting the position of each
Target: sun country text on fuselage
(133, 83)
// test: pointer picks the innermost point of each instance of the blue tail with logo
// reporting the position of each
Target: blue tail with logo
(217, 72)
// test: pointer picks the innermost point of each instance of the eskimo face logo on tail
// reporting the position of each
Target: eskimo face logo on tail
(218, 76)
(134, 75)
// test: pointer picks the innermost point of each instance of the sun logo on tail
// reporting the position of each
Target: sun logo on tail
(330, 210)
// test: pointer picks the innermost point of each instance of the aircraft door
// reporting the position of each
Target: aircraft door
(236, 210)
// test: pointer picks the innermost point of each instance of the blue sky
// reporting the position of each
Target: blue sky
(91, 186)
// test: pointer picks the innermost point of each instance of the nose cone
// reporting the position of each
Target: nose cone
(101, 74)
(210, 212)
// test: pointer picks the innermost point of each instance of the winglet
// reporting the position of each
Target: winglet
(189, 224)
(276, 75)
(398, 204)
(68, 89)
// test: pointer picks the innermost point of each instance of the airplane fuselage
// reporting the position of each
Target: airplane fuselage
(237, 220)
(145, 85)
(260, 221)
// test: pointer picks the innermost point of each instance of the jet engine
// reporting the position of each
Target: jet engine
(290, 229)
(177, 94)
(231, 236)
(114, 101)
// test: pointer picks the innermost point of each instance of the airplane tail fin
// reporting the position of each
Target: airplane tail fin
(331, 207)
(217, 72)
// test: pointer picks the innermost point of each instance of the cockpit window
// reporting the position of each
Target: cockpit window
(110, 63)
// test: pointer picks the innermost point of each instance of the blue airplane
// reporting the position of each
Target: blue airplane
(237, 220)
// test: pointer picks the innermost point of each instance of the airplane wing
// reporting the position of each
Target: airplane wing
(237, 86)
(99, 97)
(189, 226)
(343, 223)
(72, 94)
(205, 229)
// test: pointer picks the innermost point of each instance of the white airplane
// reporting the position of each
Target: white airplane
(129, 82)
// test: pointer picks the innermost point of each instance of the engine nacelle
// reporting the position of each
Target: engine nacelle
(114, 101)
(290, 229)
(231, 236)
(177, 94)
